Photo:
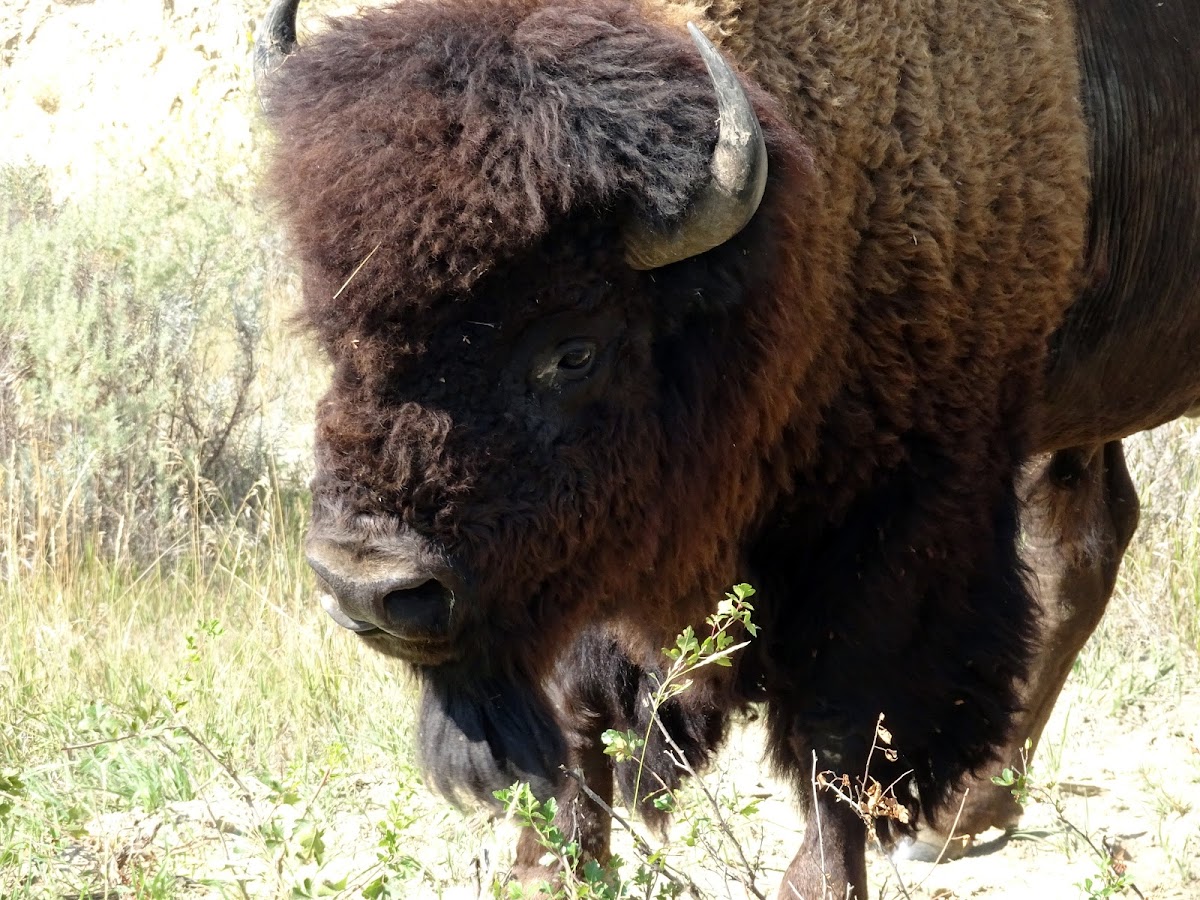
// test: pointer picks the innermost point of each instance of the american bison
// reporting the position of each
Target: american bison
(618, 318)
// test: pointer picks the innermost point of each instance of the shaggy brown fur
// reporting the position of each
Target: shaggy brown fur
(1126, 358)
(833, 404)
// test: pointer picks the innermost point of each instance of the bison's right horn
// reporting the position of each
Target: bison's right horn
(276, 38)
(731, 196)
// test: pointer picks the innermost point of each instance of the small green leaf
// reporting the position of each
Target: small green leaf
(11, 783)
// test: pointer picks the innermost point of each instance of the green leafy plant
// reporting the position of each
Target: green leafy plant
(1112, 879)
(706, 817)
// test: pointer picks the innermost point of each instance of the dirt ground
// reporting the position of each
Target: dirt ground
(1130, 780)
(1128, 777)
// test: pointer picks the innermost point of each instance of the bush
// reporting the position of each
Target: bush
(130, 344)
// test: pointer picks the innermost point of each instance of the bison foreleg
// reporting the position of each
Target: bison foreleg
(579, 816)
(583, 692)
(1078, 515)
(831, 863)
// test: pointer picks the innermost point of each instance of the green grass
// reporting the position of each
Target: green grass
(130, 690)
(163, 666)
(177, 715)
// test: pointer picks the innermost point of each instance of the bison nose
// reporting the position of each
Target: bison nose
(381, 592)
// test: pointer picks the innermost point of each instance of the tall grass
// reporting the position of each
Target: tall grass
(130, 686)
(1160, 578)
(159, 644)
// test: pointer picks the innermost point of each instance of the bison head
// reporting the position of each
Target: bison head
(522, 227)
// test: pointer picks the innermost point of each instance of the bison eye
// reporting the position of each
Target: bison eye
(575, 358)
(566, 367)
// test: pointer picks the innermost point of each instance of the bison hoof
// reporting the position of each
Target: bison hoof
(930, 847)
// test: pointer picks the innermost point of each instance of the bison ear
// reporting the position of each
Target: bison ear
(476, 737)
(737, 178)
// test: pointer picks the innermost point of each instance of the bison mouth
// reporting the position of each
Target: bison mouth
(396, 592)
(335, 612)
(477, 735)
(420, 650)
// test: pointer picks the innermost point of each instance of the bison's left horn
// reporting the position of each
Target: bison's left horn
(730, 198)
(276, 38)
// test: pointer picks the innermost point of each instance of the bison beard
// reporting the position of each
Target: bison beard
(477, 736)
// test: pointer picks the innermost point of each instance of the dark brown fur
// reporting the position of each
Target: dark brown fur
(1128, 355)
(833, 404)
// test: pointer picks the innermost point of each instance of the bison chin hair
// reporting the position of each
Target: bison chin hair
(477, 736)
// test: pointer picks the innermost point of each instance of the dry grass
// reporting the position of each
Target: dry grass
(1159, 589)
(131, 689)
(193, 724)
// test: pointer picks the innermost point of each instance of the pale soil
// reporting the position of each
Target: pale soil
(1131, 780)
(1129, 777)
(100, 91)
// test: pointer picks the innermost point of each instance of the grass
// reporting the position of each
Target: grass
(194, 725)
(133, 689)
(1160, 577)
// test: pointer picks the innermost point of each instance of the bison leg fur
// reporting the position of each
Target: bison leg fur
(584, 692)
(831, 863)
(579, 816)
(1079, 513)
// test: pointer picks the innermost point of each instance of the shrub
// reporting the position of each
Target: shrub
(131, 340)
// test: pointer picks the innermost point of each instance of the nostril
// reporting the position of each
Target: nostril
(425, 607)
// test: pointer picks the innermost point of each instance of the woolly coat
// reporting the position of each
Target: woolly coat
(843, 427)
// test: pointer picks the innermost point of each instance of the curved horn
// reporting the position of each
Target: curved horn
(731, 196)
(276, 38)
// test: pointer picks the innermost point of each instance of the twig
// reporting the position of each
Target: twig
(234, 416)
(949, 837)
(857, 803)
(711, 842)
(1042, 793)
(682, 763)
(317, 793)
(100, 743)
(1103, 855)
(895, 869)
(246, 795)
(677, 878)
(357, 269)
(241, 882)
(866, 818)
(820, 833)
